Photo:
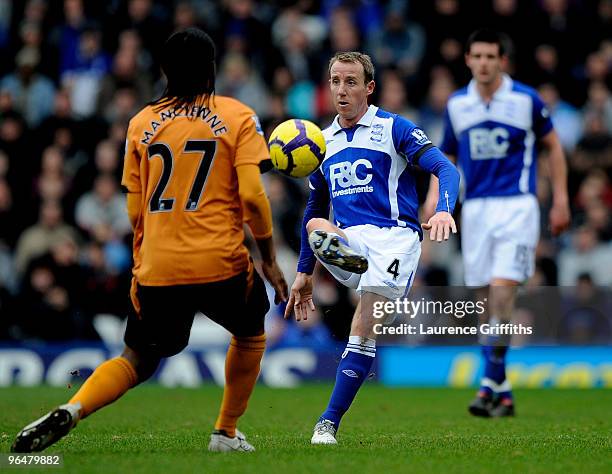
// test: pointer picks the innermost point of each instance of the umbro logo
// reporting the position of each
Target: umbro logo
(350, 373)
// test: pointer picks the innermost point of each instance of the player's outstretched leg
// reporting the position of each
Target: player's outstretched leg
(108, 382)
(242, 366)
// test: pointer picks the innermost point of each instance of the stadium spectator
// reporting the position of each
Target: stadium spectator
(15, 145)
(400, 44)
(53, 295)
(126, 73)
(367, 15)
(45, 306)
(584, 319)
(565, 118)
(106, 285)
(11, 221)
(238, 80)
(343, 32)
(431, 113)
(83, 76)
(312, 27)
(106, 161)
(393, 95)
(102, 210)
(594, 150)
(242, 32)
(586, 255)
(123, 105)
(39, 238)
(31, 92)
(595, 187)
(599, 102)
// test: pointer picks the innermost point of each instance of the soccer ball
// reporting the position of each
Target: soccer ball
(297, 147)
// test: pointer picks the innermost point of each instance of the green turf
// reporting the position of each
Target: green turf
(154, 429)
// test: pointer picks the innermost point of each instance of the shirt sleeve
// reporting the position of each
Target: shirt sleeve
(251, 148)
(409, 140)
(317, 206)
(448, 176)
(449, 139)
(542, 123)
(255, 204)
(131, 163)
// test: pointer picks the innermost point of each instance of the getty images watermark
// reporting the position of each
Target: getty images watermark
(579, 315)
(440, 318)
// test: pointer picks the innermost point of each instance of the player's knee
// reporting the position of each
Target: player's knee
(145, 364)
(316, 223)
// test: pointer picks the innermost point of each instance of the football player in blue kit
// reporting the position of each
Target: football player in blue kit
(493, 128)
(374, 246)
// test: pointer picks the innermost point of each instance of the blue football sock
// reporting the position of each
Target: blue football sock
(353, 369)
(494, 379)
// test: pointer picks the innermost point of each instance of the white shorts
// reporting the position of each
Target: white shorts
(499, 237)
(393, 255)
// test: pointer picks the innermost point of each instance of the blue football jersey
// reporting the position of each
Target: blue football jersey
(367, 170)
(495, 143)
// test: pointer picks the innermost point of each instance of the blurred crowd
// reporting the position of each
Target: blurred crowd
(74, 72)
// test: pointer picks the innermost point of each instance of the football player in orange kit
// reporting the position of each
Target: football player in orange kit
(192, 178)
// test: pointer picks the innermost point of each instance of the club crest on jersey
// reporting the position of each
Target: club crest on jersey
(377, 132)
(420, 137)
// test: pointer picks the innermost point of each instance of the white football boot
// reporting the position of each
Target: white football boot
(221, 443)
(324, 433)
(333, 250)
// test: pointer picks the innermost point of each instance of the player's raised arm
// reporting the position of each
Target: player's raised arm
(300, 298)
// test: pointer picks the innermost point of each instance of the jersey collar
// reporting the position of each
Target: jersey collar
(366, 120)
(506, 86)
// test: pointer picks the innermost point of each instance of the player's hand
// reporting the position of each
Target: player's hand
(274, 275)
(559, 218)
(300, 299)
(440, 226)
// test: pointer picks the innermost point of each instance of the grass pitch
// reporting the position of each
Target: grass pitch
(154, 429)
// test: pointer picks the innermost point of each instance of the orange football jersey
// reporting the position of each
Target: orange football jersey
(190, 229)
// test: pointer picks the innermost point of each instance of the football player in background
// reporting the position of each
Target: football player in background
(374, 247)
(192, 176)
(492, 129)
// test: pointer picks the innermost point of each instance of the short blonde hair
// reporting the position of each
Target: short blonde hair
(355, 57)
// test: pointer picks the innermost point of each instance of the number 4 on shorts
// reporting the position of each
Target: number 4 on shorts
(393, 269)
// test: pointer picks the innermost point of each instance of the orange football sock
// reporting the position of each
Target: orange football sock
(108, 382)
(241, 370)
